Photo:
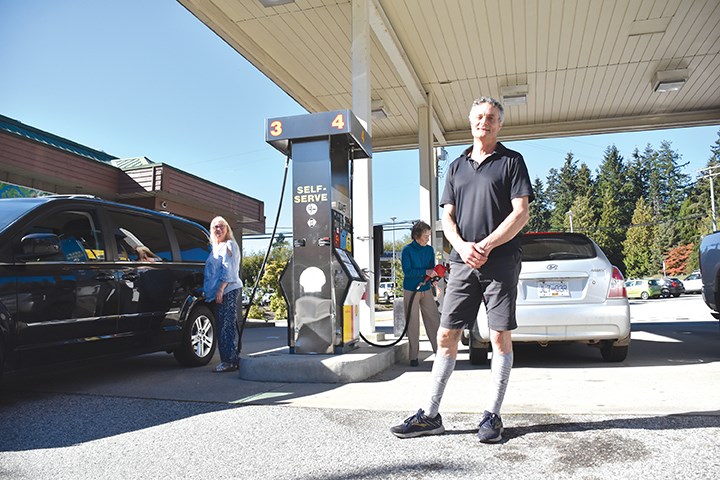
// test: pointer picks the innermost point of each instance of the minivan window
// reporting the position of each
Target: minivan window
(139, 238)
(12, 210)
(79, 233)
(194, 244)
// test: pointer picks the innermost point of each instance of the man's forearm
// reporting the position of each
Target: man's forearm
(509, 228)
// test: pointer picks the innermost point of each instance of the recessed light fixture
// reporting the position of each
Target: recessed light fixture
(275, 3)
(514, 94)
(377, 110)
(670, 80)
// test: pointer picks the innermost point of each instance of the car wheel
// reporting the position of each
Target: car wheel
(478, 355)
(465, 338)
(387, 298)
(198, 338)
(612, 353)
(644, 295)
(665, 293)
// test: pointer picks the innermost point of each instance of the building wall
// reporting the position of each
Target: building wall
(31, 163)
(35, 165)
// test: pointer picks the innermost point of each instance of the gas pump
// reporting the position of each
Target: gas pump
(322, 284)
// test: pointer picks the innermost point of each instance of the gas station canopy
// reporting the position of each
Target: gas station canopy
(561, 67)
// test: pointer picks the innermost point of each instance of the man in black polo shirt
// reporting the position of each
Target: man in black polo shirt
(485, 205)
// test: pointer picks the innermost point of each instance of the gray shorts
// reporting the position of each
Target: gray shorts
(494, 283)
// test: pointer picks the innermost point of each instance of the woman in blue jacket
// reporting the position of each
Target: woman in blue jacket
(418, 262)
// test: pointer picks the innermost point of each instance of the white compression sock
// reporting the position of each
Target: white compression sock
(500, 367)
(441, 371)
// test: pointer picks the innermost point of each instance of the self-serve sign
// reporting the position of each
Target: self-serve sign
(310, 193)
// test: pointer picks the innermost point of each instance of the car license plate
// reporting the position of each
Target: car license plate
(557, 288)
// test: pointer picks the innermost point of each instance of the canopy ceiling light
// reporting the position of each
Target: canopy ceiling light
(514, 94)
(670, 80)
(377, 110)
(275, 3)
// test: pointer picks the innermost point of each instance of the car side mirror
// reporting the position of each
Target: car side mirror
(38, 245)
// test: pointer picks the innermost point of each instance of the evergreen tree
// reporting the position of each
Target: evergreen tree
(562, 189)
(641, 257)
(584, 184)
(669, 184)
(610, 233)
(539, 210)
(583, 216)
(613, 193)
(637, 179)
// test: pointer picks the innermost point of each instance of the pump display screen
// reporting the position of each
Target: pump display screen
(349, 265)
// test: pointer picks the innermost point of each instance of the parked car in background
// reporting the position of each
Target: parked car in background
(693, 283)
(643, 288)
(265, 299)
(386, 292)
(83, 278)
(568, 291)
(671, 287)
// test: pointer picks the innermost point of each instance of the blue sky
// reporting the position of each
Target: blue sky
(146, 78)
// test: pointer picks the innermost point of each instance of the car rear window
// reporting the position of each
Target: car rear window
(560, 246)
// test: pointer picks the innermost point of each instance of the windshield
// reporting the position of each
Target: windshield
(13, 208)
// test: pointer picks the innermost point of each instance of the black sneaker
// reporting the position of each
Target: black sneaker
(490, 428)
(419, 425)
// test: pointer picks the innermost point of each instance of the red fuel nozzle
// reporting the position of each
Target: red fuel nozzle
(438, 272)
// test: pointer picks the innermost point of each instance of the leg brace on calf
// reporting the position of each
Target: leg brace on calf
(500, 367)
(441, 371)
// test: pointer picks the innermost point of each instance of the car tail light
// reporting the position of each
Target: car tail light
(617, 285)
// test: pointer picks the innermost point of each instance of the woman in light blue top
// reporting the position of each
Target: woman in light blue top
(223, 286)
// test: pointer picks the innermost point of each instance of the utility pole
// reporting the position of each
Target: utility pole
(710, 173)
(569, 212)
(393, 245)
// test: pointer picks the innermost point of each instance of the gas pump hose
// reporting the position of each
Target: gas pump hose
(440, 271)
(240, 325)
(407, 322)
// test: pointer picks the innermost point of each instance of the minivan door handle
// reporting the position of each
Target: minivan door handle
(104, 277)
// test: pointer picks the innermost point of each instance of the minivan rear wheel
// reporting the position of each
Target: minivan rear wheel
(198, 338)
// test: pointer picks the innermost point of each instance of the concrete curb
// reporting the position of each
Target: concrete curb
(278, 365)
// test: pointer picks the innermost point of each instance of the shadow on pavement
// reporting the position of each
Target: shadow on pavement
(532, 424)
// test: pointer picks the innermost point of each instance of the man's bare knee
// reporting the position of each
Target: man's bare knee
(448, 340)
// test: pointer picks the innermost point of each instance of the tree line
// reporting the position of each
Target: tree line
(642, 211)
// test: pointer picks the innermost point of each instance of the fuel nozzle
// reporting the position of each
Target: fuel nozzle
(438, 273)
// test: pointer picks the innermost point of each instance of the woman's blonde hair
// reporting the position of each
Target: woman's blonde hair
(228, 230)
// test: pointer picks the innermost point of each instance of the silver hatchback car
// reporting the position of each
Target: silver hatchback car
(568, 292)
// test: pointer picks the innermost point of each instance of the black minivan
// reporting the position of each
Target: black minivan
(85, 278)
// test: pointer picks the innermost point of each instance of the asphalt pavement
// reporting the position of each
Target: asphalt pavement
(567, 414)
